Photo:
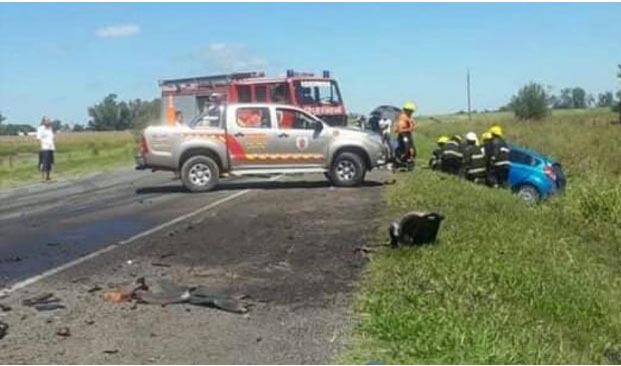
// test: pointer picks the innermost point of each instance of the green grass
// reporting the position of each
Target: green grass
(76, 154)
(505, 283)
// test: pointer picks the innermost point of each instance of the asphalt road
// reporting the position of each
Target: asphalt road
(288, 245)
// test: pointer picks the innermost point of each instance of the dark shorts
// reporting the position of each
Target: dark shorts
(46, 160)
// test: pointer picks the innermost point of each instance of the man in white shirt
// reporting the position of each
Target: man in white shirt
(45, 135)
(385, 125)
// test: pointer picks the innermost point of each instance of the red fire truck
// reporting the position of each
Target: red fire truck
(317, 95)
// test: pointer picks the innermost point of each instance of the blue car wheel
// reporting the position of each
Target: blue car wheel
(529, 194)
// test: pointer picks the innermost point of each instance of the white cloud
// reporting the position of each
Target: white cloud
(118, 31)
(224, 57)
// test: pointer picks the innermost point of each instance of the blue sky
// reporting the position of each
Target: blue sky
(58, 59)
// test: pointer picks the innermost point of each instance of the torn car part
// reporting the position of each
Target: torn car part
(415, 228)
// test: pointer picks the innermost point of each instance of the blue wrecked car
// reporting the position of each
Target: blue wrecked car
(534, 176)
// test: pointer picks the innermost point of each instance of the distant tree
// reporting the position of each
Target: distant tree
(109, 115)
(590, 100)
(2, 118)
(144, 113)
(531, 102)
(565, 99)
(112, 115)
(605, 99)
(578, 98)
(57, 125)
(78, 128)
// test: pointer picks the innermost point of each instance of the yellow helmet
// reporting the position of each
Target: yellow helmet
(443, 140)
(410, 106)
(457, 138)
(486, 136)
(496, 130)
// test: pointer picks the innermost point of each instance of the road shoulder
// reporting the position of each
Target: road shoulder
(288, 246)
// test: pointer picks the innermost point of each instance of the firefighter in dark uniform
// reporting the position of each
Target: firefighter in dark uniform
(436, 159)
(452, 156)
(486, 138)
(475, 167)
(499, 159)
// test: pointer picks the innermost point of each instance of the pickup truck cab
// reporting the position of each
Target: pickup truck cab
(259, 139)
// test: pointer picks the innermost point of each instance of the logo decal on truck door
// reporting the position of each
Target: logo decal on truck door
(301, 142)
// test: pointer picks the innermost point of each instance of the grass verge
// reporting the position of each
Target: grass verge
(76, 154)
(505, 283)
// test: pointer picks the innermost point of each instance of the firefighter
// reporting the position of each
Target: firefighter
(452, 156)
(404, 128)
(475, 168)
(486, 138)
(436, 159)
(499, 159)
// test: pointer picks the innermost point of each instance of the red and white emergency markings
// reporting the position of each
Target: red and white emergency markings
(325, 110)
(254, 147)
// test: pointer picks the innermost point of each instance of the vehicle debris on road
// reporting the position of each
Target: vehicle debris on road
(44, 302)
(63, 332)
(171, 293)
(5, 308)
(4, 327)
(415, 228)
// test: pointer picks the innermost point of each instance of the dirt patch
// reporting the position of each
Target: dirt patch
(290, 250)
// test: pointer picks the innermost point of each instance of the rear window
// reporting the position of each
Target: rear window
(252, 117)
(521, 158)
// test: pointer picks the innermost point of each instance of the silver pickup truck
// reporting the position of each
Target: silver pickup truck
(259, 139)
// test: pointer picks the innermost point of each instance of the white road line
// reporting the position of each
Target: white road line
(53, 271)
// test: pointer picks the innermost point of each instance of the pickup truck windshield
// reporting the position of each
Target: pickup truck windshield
(317, 92)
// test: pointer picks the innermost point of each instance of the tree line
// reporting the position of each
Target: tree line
(533, 101)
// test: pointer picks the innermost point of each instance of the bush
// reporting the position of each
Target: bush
(531, 102)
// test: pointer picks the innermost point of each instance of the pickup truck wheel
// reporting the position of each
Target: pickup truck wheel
(200, 174)
(348, 170)
(529, 194)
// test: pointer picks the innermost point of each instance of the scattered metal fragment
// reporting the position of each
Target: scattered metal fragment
(159, 264)
(44, 302)
(94, 289)
(49, 307)
(415, 228)
(171, 293)
(4, 327)
(5, 307)
(89, 322)
(111, 351)
(166, 255)
(63, 332)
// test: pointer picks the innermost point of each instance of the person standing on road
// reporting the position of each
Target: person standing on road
(45, 135)
(500, 157)
(385, 125)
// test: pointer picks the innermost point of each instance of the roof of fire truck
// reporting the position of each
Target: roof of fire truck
(243, 78)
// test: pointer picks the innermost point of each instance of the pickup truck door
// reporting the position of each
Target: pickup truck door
(297, 141)
(250, 130)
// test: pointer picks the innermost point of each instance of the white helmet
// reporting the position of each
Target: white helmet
(471, 136)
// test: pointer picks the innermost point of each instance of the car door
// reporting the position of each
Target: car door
(250, 129)
(298, 142)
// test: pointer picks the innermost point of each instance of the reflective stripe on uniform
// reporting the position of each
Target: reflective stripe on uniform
(505, 149)
(454, 153)
(476, 170)
(479, 156)
(499, 163)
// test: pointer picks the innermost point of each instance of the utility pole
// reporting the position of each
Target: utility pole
(468, 85)
(619, 94)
